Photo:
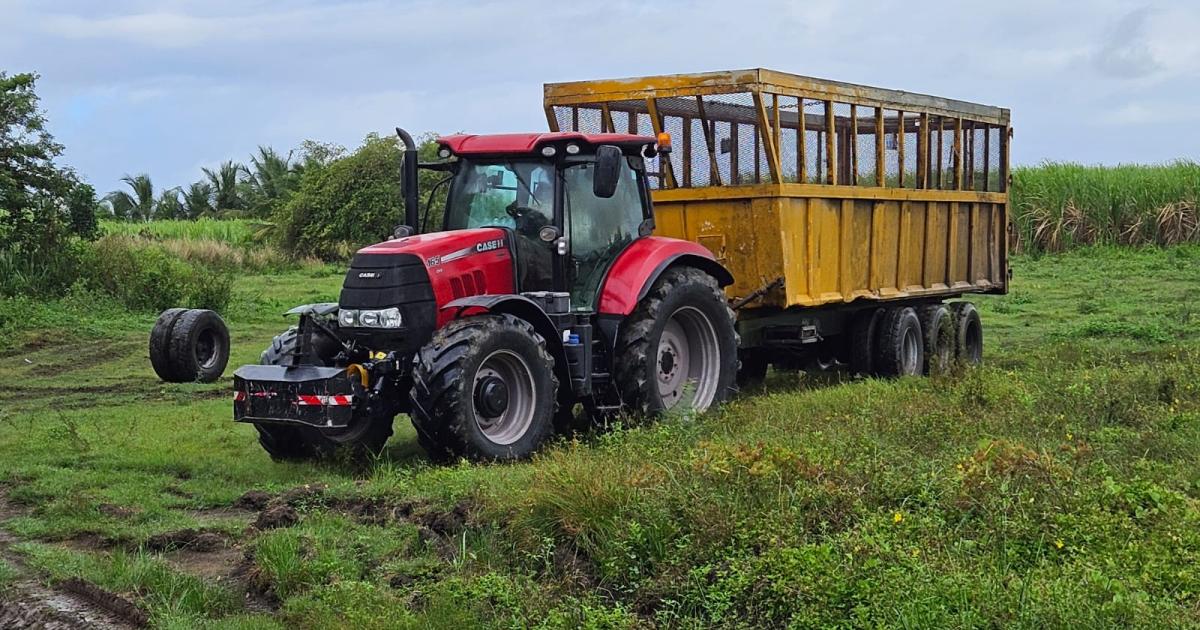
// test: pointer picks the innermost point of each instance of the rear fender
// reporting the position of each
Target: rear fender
(521, 307)
(635, 270)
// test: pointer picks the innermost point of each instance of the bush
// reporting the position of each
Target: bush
(353, 201)
(144, 276)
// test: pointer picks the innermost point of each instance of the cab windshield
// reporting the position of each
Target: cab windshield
(510, 194)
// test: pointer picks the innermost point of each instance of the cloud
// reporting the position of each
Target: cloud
(1126, 52)
(162, 85)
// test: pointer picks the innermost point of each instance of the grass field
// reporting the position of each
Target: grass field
(1056, 487)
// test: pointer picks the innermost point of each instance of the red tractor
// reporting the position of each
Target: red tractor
(544, 290)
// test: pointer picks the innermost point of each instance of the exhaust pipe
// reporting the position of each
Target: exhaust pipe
(408, 182)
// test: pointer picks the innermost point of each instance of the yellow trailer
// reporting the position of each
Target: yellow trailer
(822, 198)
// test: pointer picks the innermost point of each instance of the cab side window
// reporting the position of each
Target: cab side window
(599, 228)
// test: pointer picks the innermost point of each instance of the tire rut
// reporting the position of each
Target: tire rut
(75, 603)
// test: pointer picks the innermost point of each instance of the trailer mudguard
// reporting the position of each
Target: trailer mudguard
(635, 270)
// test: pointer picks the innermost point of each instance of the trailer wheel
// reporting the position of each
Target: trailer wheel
(678, 349)
(198, 349)
(863, 333)
(753, 369)
(485, 387)
(365, 437)
(160, 341)
(900, 350)
(968, 333)
(937, 324)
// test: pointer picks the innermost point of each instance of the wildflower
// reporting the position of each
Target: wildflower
(1058, 543)
(897, 517)
(1070, 437)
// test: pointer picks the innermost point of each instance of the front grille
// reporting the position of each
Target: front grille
(377, 281)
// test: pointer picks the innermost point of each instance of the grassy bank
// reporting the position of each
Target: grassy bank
(1057, 486)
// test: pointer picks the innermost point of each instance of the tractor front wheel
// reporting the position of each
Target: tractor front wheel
(484, 387)
(678, 349)
(365, 437)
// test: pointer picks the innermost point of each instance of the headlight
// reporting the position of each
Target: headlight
(389, 318)
(382, 318)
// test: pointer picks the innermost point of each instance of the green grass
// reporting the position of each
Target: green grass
(237, 232)
(1059, 486)
(1061, 205)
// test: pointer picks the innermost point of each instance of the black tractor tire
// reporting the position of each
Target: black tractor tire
(160, 341)
(752, 369)
(863, 335)
(968, 334)
(684, 313)
(900, 348)
(484, 388)
(198, 349)
(364, 438)
(937, 325)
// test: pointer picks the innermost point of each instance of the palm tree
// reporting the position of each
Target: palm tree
(197, 200)
(271, 175)
(226, 184)
(168, 205)
(140, 205)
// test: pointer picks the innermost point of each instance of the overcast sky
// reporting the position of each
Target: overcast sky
(168, 86)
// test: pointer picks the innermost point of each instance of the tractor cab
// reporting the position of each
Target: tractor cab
(570, 202)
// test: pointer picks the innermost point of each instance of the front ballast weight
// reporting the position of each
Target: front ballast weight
(189, 345)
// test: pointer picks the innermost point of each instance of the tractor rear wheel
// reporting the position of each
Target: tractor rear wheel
(678, 349)
(484, 387)
(900, 347)
(365, 436)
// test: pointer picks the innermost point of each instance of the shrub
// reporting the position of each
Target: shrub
(144, 276)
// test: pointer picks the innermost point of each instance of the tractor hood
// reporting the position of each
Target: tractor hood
(435, 269)
(440, 248)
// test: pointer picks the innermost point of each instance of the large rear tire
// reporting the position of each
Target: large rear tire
(900, 349)
(484, 387)
(364, 438)
(678, 349)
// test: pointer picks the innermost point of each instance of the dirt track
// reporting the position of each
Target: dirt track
(27, 603)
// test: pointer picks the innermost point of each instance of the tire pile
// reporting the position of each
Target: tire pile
(189, 345)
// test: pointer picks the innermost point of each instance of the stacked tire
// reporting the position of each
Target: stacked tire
(189, 345)
(909, 341)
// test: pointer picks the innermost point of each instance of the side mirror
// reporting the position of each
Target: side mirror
(608, 171)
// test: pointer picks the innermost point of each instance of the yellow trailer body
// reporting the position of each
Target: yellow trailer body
(815, 192)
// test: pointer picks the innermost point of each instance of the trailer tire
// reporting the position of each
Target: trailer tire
(900, 347)
(937, 325)
(684, 305)
(863, 333)
(198, 349)
(160, 341)
(752, 370)
(365, 437)
(484, 387)
(968, 334)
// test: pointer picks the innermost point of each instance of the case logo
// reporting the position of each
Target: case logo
(369, 274)
(478, 248)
